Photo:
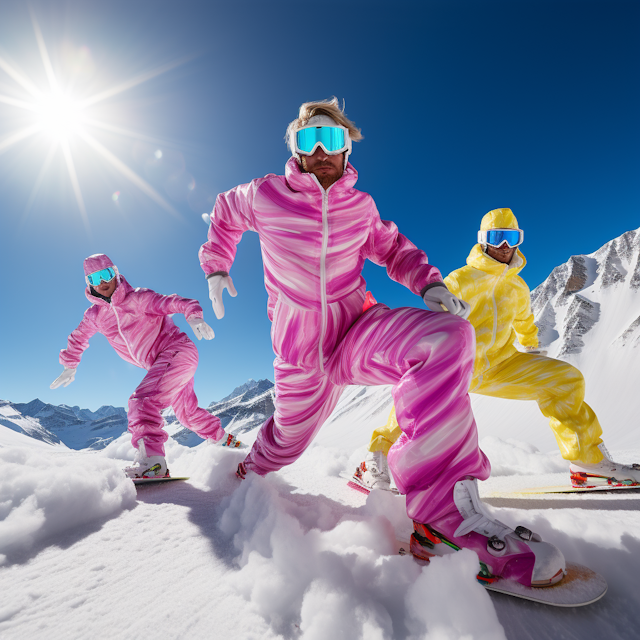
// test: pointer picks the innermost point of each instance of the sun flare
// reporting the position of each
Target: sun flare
(61, 118)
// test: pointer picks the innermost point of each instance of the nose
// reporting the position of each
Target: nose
(320, 153)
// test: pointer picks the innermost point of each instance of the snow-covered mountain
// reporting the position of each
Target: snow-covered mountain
(244, 409)
(592, 298)
(11, 418)
(75, 427)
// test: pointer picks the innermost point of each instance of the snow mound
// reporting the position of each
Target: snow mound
(307, 574)
(42, 495)
(122, 449)
(512, 457)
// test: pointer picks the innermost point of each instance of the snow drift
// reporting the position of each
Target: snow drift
(42, 495)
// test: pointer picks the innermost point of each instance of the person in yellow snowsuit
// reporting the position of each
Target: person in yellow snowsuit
(500, 313)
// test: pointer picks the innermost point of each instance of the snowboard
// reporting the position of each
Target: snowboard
(357, 484)
(139, 482)
(579, 587)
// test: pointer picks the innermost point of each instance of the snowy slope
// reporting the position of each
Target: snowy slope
(295, 555)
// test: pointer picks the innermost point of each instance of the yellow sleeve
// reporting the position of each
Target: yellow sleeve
(523, 323)
(453, 285)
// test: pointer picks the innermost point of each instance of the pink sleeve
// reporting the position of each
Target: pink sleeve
(158, 305)
(405, 263)
(231, 217)
(77, 342)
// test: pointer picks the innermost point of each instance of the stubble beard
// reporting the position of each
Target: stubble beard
(325, 180)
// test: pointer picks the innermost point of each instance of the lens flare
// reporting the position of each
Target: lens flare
(54, 112)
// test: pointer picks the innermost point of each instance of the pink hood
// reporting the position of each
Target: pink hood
(314, 244)
(136, 322)
(96, 262)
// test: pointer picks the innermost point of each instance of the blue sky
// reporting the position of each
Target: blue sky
(465, 107)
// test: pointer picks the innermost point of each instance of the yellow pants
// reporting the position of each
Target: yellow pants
(556, 386)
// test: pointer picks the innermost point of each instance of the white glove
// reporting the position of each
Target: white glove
(217, 284)
(441, 299)
(64, 379)
(535, 352)
(201, 328)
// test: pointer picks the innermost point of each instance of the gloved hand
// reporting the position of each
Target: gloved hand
(64, 379)
(201, 328)
(216, 286)
(439, 298)
(535, 351)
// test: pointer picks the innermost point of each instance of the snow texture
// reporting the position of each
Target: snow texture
(42, 495)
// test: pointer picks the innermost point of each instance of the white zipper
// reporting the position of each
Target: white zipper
(122, 336)
(323, 269)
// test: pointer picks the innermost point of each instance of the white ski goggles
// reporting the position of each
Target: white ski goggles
(497, 237)
(333, 140)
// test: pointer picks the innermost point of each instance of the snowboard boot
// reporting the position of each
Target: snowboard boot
(373, 473)
(230, 440)
(503, 552)
(605, 472)
(147, 466)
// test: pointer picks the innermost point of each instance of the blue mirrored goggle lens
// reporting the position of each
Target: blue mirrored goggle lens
(105, 275)
(331, 138)
(495, 237)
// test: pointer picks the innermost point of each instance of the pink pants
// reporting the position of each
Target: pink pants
(169, 382)
(429, 358)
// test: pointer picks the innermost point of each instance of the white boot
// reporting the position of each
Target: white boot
(604, 472)
(147, 466)
(373, 473)
(549, 564)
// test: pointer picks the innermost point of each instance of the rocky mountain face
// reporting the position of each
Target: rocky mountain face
(582, 293)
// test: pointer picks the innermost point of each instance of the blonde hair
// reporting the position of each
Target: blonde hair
(329, 108)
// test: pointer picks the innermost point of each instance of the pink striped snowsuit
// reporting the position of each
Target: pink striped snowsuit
(314, 244)
(137, 325)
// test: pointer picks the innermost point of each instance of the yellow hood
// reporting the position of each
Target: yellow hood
(499, 219)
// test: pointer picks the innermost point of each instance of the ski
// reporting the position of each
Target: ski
(579, 587)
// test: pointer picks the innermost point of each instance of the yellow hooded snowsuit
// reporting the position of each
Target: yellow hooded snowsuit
(500, 312)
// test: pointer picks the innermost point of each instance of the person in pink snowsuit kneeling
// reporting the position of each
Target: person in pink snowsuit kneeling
(316, 231)
(137, 325)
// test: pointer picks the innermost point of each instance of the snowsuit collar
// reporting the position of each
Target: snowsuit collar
(301, 181)
(484, 262)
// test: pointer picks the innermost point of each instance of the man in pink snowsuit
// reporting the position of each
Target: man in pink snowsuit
(137, 325)
(316, 230)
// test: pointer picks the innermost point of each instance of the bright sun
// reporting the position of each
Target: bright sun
(59, 116)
